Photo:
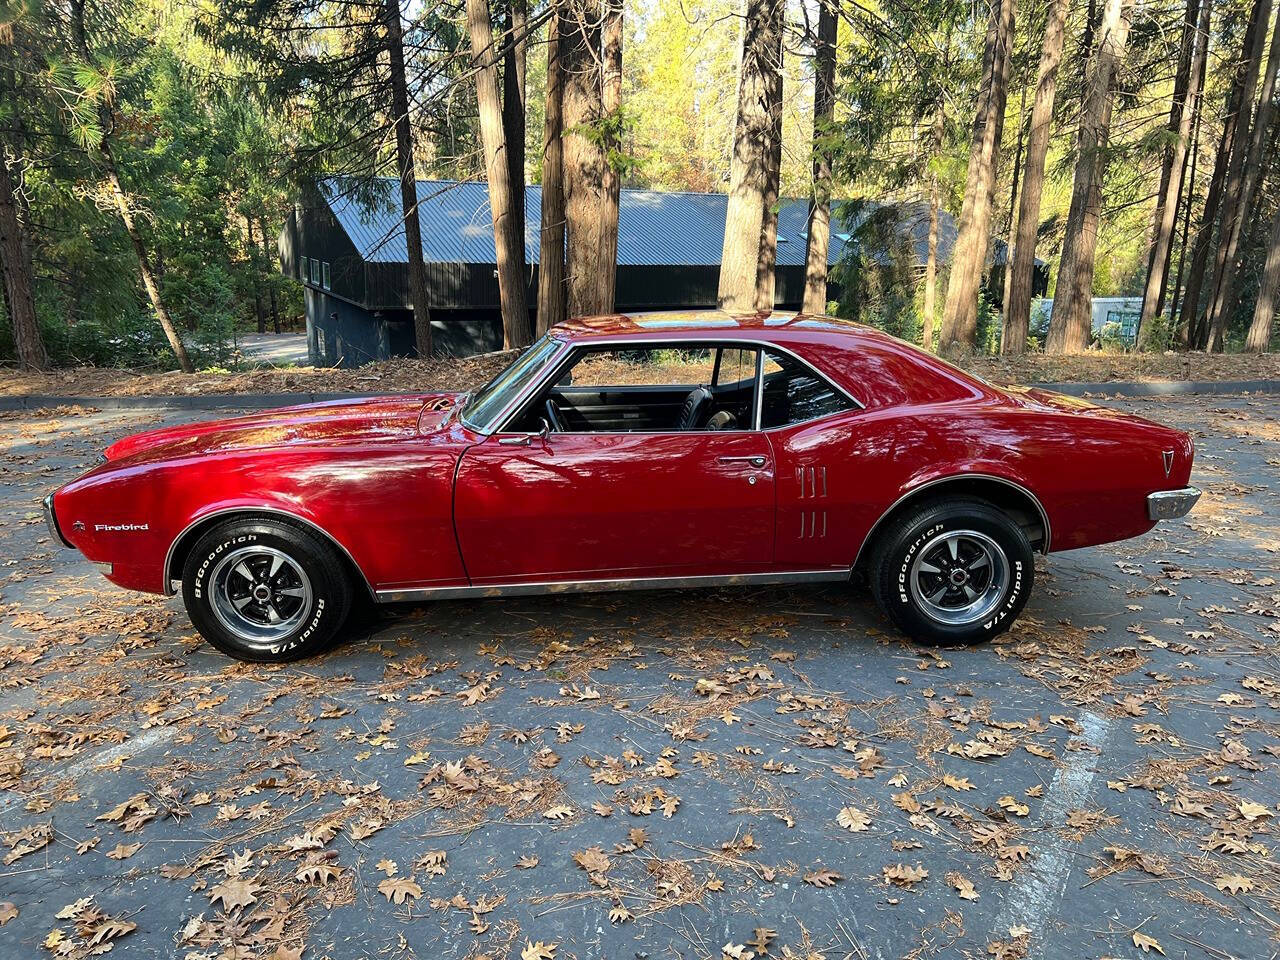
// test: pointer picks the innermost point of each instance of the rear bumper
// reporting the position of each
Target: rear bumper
(1171, 504)
(52, 522)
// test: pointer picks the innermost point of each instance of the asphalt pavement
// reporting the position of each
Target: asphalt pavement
(652, 775)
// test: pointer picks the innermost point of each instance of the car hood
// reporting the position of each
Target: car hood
(377, 419)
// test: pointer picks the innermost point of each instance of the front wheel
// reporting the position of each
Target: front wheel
(265, 591)
(953, 572)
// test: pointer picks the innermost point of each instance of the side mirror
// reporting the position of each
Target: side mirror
(526, 439)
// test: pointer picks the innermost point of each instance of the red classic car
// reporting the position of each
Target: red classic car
(664, 450)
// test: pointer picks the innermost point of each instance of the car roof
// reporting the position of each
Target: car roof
(871, 365)
(712, 323)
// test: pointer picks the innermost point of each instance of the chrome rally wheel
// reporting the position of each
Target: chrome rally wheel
(959, 577)
(952, 571)
(266, 590)
(260, 594)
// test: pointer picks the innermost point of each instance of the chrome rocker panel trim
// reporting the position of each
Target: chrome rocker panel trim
(493, 590)
(1171, 504)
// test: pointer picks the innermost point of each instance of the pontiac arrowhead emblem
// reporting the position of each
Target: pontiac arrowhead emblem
(1168, 461)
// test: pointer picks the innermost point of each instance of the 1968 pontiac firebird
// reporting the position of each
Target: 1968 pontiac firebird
(663, 450)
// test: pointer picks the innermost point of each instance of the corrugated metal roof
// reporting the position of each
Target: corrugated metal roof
(654, 228)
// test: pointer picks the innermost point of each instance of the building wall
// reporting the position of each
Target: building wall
(341, 334)
(344, 334)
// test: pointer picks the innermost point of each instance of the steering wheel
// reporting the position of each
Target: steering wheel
(553, 416)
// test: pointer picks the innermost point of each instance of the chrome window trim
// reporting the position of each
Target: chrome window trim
(817, 373)
(226, 511)
(757, 415)
(532, 387)
(759, 346)
(1044, 515)
(542, 587)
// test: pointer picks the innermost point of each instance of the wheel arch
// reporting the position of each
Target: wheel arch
(176, 556)
(1005, 494)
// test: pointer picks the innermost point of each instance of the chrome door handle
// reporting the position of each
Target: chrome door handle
(756, 461)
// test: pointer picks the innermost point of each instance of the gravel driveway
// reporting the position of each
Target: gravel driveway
(700, 774)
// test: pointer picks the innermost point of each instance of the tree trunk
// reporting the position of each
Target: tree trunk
(513, 112)
(418, 296)
(1223, 300)
(1186, 93)
(271, 286)
(19, 278)
(818, 236)
(551, 299)
(748, 177)
(149, 282)
(1189, 202)
(960, 313)
(1195, 332)
(931, 265)
(1022, 263)
(767, 263)
(1264, 311)
(611, 103)
(1190, 156)
(508, 244)
(1071, 323)
(588, 271)
(1013, 210)
(253, 268)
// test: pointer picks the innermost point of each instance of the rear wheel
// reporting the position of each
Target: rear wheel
(265, 590)
(953, 572)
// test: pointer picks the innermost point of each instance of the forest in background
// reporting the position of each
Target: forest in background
(153, 148)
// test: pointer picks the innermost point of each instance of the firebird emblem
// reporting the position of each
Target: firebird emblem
(1168, 461)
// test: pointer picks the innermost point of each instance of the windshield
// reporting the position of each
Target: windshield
(494, 397)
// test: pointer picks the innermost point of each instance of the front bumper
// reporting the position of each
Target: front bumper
(1171, 504)
(52, 522)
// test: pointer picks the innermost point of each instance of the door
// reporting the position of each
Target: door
(572, 506)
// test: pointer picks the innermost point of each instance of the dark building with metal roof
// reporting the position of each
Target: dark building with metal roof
(345, 242)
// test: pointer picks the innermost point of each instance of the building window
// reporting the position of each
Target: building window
(315, 271)
(324, 278)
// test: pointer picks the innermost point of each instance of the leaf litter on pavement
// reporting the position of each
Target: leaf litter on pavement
(465, 777)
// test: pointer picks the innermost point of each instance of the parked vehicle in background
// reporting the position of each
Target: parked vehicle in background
(666, 450)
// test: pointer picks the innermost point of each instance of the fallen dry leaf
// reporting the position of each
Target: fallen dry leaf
(1233, 883)
(235, 892)
(853, 819)
(904, 876)
(1146, 944)
(822, 878)
(398, 889)
(538, 951)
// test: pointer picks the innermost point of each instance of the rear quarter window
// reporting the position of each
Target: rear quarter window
(796, 393)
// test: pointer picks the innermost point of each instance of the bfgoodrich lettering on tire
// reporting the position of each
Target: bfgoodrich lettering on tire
(952, 572)
(265, 590)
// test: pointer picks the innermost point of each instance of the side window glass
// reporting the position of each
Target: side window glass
(650, 389)
(642, 367)
(796, 393)
(737, 367)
